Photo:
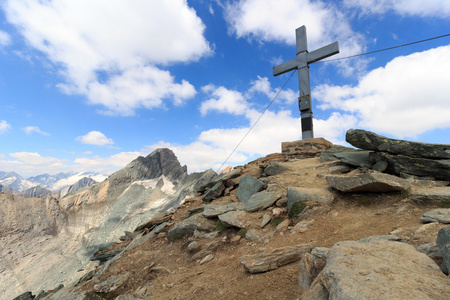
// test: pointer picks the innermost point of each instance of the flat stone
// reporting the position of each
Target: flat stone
(299, 194)
(248, 185)
(189, 225)
(207, 259)
(371, 141)
(443, 242)
(389, 270)
(431, 194)
(212, 210)
(273, 259)
(235, 219)
(368, 182)
(265, 220)
(261, 200)
(111, 284)
(441, 215)
(275, 168)
(355, 158)
(251, 235)
(306, 148)
(399, 164)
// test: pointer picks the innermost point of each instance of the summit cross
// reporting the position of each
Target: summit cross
(304, 58)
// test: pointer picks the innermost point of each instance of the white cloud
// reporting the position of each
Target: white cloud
(423, 8)
(262, 85)
(95, 138)
(407, 97)
(31, 129)
(35, 159)
(223, 100)
(4, 126)
(100, 164)
(5, 39)
(267, 20)
(103, 46)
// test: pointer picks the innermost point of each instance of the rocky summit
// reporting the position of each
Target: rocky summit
(330, 223)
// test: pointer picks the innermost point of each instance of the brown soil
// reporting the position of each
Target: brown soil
(175, 275)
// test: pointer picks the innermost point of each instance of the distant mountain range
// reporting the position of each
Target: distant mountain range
(44, 185)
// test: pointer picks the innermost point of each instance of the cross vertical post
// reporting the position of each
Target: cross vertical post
(301, 63)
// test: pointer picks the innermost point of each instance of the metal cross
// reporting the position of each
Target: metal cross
(304, 58)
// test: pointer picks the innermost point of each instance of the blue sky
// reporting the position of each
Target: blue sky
(91, 85)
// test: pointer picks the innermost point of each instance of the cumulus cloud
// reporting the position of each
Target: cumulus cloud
(95, 138)
(4, 126)
(34, 129)
(118, 160)
(407, 97)
(113, 51)
(223, 100)
(423, 8)
(276, 21)
(5, 39)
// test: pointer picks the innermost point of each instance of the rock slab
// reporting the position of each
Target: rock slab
(188, 226)
(368, 182)
(381, 270)
(275, 258)
(441, 215)
(261, 200)
(299, 194)
(371, 141)
(248, 185)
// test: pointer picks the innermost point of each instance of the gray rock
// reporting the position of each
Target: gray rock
(275, 168)
(441, 215)
(399, 164)
(355, 158)
(261, 200)
(339, 169)
(193, 247)
(187, 226)
(329, 155)
(212, 210)
(214, 192)
(371, 141)
(389, 270)
(129, 297)
(388, 237)
(25, 296)
(211, 235)
(207, 259)
(310, 266)
(111, 284)
(265, 220)
(432, 194)
(251, 235)
(247, 187)
(443, 242)
(298, 194)
(263, 262)
(235, 219)
(368, 182)
(432, 251)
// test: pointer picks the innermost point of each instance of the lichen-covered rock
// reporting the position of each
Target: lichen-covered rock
(371, 141)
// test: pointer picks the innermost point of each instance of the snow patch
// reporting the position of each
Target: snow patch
(168, 187)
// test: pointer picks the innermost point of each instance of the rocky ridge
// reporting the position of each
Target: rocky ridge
(327, 224)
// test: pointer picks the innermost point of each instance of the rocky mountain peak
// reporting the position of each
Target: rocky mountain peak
(160, 162)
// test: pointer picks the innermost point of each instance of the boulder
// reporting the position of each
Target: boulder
(371, 141)
(368, 182)
(189, 225)
(275, 168)
(441, 215)
(214, 192)
(235, 219)
(299, 194)
(261, 200)
(248, 185)
(443, 242)
(111, 284)
(381, 270)
(305, 148)
(273, 259)
(399, 164)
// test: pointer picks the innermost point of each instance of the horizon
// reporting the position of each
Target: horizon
(86, 88)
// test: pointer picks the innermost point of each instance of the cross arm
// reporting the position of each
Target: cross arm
(322, 53)
(286, 67)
